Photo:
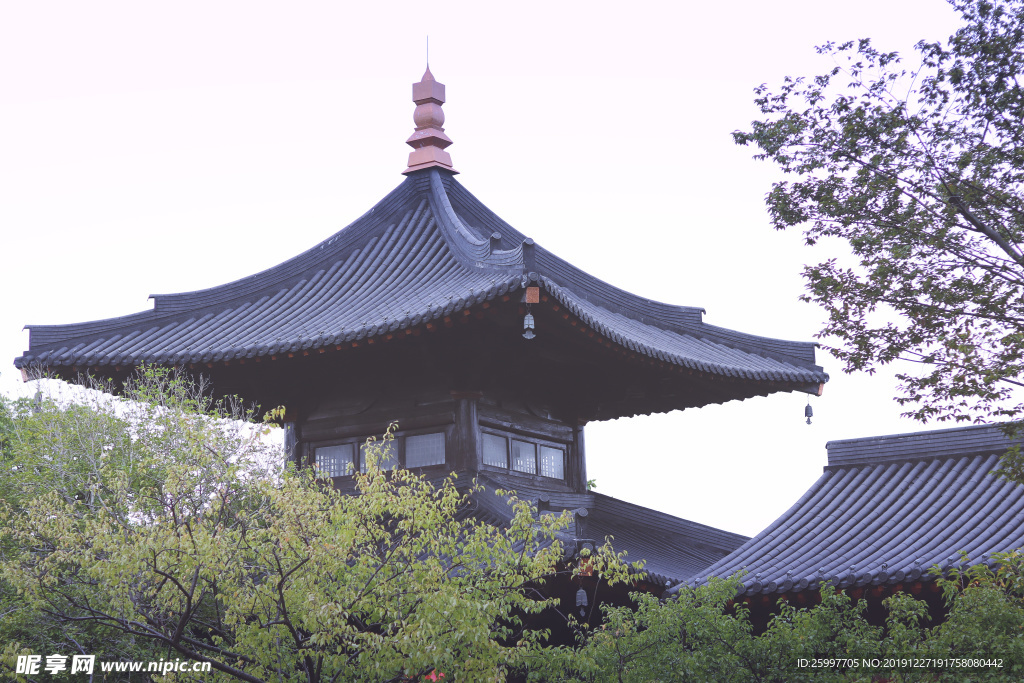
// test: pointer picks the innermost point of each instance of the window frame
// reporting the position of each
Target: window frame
(512, 451)
(537, 442)
(417, 432)
(355, 458)
(508, 450)
(358, 441)
(564, 450)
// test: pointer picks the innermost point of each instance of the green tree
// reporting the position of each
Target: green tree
(703, 636)
(160, 528)
(986, 616)
(167, 526)
(699, 635)
(921, 173)
(63, 470)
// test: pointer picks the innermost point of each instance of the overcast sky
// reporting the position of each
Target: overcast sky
(154, 148)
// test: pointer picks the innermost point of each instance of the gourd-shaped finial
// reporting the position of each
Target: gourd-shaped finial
(428, 141)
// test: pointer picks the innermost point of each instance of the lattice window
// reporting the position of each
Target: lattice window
(495, 450)
(335, 461)
(387, 452)
(524, 457)
(424, 449)
(552, 462)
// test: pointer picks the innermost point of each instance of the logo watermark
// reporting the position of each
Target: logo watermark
(33, 665)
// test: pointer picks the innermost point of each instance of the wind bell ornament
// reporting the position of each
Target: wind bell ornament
(528, 324)
(808, 411)
(581, 601)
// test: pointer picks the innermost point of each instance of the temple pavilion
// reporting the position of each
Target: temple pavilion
(490, 352)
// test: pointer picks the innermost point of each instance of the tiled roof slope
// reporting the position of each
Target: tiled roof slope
(427, 249)
(671, 547)
(884, 511)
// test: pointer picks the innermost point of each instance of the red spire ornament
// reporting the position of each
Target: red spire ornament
(428, 141)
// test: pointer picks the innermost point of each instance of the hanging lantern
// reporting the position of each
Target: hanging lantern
(528, 326)
(808, 412)
(581, 601)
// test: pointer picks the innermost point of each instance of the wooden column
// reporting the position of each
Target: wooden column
(291, 443)
(576, 477)
(466, 449)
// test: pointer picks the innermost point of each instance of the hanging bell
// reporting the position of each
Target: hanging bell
(581, 601)
(528, 326)
(808, 412)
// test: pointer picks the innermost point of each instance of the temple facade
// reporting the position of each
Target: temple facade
(491, 353)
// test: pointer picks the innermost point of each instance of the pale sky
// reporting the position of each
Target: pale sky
(150, 149)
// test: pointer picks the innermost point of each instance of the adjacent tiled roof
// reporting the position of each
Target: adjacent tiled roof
(670, 547)
(426, 250)
(884, 511)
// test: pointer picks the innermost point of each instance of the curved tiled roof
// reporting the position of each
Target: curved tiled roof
(670, 547)
(885, 510)
(426, 250)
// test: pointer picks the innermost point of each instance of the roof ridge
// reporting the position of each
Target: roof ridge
(970, 440)
(709, 532)
(252, 288)
(454, 201)
(566, 275)
(868, 526)
(472, 250)
(306, 262)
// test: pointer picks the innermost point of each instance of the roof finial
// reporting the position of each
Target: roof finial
(428, 141)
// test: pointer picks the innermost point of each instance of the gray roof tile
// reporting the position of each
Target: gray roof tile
(671, 547)
(885, 510)
(423, 252)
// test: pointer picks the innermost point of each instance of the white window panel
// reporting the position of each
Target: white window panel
(387, 452)
(335, 461)
(424, 449)
(495, 450)
(524, 457)
(552, 462)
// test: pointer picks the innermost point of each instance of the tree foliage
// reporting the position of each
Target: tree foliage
(921, 172)
(162, 526)
(703, 636)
